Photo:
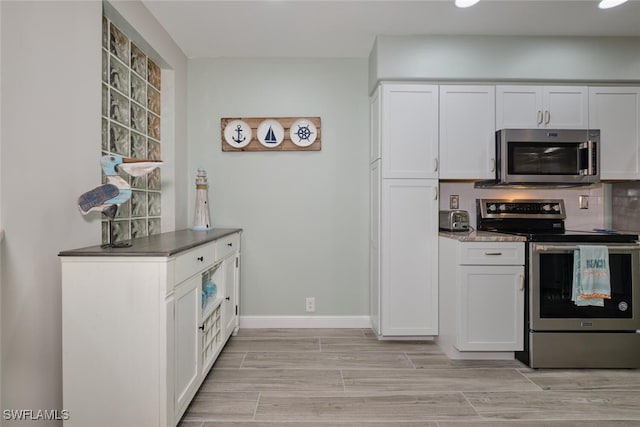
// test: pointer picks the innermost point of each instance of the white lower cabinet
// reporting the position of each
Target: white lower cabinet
(186, 302)
(481, 298)
(142, 327)
(491, 303)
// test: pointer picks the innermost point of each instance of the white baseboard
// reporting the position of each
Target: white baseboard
(263, 322)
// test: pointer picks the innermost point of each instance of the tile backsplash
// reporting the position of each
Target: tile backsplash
(577, 219)
(625, 206)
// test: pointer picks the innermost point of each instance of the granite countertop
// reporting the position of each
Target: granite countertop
(481, 236)
(164, 244)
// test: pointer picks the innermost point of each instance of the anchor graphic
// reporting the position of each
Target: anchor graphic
(240, 138)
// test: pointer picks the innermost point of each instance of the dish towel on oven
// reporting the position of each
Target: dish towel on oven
(591, 279)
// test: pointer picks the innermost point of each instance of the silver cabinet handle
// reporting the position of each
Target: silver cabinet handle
(493, 253)
(547, 117)
(435, 193)
(539, 117)
(435, 165)
(521, 282)
(493, 164)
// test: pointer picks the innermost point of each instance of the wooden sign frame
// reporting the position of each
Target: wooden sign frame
(286, 145)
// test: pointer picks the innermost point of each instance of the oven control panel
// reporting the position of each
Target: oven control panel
(520, 208)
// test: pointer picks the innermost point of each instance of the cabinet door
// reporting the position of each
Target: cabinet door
(187, 303)
(374, 245)
(566, 107)
(558, 107)
(467, 132)
(616, 112)
(229, 305)
(519, 107)
(491, 308)
(409, 129)
(409, 261)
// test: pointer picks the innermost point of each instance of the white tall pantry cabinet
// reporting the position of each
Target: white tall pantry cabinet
(404, 210)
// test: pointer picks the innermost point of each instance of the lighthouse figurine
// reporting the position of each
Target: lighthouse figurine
(201, 221)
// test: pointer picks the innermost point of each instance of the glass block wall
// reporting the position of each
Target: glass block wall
(131, 128)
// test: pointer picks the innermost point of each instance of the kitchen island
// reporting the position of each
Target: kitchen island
(143, 325)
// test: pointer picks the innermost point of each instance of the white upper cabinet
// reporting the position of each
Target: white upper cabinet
(616, 112)
(409, 130)
(566, 107)
(557, 107)
(467, 132)
(518, 107)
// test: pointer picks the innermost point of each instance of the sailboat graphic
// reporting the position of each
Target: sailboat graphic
(270, 138)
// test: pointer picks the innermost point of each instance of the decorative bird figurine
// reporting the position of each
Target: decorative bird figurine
(107, 197)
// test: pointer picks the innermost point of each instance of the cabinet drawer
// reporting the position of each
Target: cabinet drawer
(227, 245)
(191, 262)
(499, 253)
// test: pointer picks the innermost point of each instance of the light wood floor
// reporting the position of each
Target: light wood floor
(346, 377)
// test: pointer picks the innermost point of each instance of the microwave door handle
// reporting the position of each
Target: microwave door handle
(591, 151)
(588, 168)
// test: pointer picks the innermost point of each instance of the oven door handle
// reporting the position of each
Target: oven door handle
(546, 248)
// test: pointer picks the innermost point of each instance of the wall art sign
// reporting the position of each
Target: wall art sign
(271, 134)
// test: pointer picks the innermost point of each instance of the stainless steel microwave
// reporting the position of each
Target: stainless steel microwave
(547, 156)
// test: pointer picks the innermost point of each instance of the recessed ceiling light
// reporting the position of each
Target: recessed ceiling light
(606, 4)
(468, 3)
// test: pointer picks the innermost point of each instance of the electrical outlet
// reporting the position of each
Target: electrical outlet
(454, 201)
(311, 304)
(584, 202)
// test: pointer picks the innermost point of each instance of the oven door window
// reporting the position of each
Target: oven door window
(556, 281)
(542, 158)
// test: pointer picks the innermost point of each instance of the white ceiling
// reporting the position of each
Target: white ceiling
(347, 28)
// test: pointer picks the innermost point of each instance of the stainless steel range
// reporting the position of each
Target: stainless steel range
(558, 332)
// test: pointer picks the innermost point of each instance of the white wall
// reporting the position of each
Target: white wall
(505, 58)
(304, 214)
(50, 136)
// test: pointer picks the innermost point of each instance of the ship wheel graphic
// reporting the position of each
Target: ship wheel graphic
(303, 133)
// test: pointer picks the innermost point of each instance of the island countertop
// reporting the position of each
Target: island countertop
(164, 244)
